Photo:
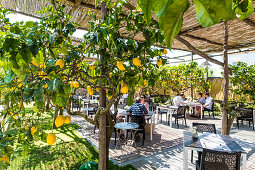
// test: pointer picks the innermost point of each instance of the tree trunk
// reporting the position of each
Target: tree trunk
(55, 116)
(103, 147)
(225, 127)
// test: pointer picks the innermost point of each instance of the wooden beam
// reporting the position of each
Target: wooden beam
(202, 39)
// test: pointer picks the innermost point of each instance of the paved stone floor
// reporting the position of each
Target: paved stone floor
(166, 151)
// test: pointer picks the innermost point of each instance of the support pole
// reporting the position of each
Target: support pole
(192, 88)
(224, 129)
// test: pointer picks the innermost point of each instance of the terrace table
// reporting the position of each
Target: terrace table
(170, 111)
(126, 126)
(194, 104)
(211, 141)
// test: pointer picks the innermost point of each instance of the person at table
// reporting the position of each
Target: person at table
(200, 100)
(208, 102)
(143, 101)
(138, 108)
(178, 100)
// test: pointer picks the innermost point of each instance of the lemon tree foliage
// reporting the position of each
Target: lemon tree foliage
(243, 79)
(208, 12)
(181, 78)
(40, 65)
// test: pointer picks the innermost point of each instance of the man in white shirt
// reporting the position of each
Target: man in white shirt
(208, 102)
(178, 100)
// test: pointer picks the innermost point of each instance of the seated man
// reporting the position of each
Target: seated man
(138, 108)
(208, 102)
(178, 100)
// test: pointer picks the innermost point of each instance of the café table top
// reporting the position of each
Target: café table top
(211, 140)
(126, 125)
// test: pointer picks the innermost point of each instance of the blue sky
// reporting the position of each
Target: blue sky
(248, 57)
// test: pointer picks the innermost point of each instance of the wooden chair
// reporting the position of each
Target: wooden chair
(217, 160)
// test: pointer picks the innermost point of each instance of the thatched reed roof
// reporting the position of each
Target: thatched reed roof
(241, 33)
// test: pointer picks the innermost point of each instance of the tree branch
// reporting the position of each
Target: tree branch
(205, 56)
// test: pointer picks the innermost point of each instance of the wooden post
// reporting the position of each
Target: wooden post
(224, 128)
(192, 88)
(103, 152)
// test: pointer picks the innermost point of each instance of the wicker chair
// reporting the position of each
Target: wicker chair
(217, 160)
(203, 127)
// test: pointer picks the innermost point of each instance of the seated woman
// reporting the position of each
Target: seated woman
(201, 100)
(143, 101)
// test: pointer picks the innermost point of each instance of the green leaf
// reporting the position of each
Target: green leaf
(240, 11)
(146, 6)
(34, 48)
(210, 12)
(96, 3)
(28, 94)
(173, 19)
(64, 50)
(9, 76)
(130, 99)
(54, 85)
(160, 6)
(25, 150)
(52, 37)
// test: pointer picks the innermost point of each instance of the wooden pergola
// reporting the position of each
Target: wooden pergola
(206, 40)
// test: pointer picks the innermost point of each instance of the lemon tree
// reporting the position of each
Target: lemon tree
(243, 79)
(42, 66)
(178, 78)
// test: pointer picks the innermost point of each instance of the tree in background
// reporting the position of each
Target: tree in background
(181, 78)
(243, 80)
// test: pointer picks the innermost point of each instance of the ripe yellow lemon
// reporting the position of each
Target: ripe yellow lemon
(145, 82)
(41, 73)
(78, 65)
(164, 51)
(124, 89)
(89, 88)
(92, 67)
(120, 65)
(60, 120)
(51, 139)
(5, 158)
(34, 63)
(33, 130)
(136, 61)
(159, 62)
(139, 10)
(42, 66)
(60, 63)
(67, 119)
(15, 116)
(109, 98)
(91, 92)
(45, 86)
(75, 84)
(110, 75)
(26, 128)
